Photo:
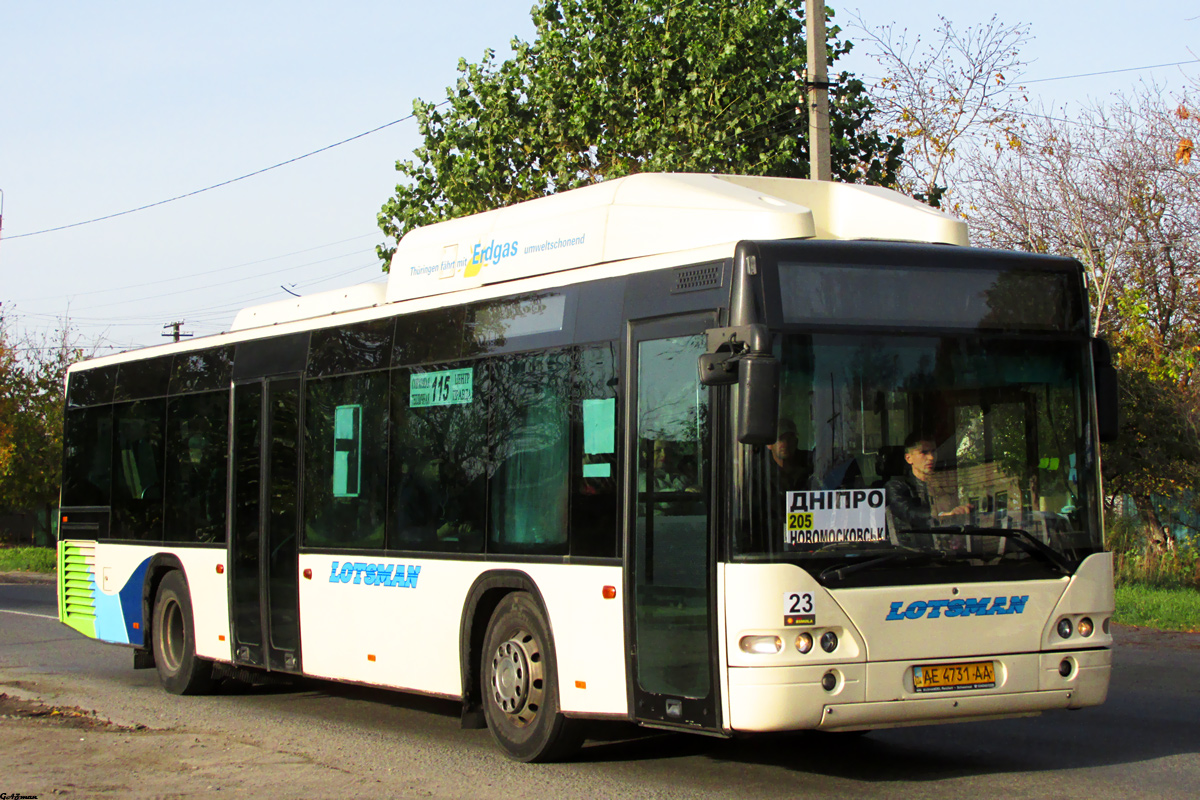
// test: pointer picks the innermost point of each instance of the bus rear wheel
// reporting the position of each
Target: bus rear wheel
(520, 695)
(180, 670)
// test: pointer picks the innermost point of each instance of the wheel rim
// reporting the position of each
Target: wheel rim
(517, 679)
(172, 636)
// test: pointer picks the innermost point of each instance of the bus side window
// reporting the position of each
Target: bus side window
(595, 473)
(438, 444)
(529, 442)
(196, 467)
(137, 489)
(345, 484)
(87, 458)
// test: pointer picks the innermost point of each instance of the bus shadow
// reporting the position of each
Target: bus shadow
(1132, 729)
(933, 753)
(263, 685)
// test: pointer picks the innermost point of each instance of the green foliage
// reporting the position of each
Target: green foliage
(613, 87)
(1173, 569)
(1137, 562)
(1170, 609)
(31, 417)
(1157, 589)
(27, 559)
(1158, 451)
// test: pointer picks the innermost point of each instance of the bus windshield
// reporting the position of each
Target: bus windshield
(963, 451)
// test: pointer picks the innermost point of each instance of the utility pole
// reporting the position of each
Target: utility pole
(175, 326)
(817, 86)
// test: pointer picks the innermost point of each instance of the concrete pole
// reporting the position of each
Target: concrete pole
(818, 93)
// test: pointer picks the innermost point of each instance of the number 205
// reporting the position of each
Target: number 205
(800, 522)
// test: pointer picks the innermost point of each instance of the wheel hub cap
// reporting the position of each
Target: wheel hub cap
(511, 668)
(517, 682)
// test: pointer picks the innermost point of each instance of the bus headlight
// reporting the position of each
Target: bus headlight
(829, 641)
(761, 645)
(1085, 627)
(804, 642)
(1064, 628)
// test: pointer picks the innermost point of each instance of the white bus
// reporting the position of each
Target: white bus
(708, 453)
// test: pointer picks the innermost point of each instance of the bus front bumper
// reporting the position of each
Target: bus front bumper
(880, 694)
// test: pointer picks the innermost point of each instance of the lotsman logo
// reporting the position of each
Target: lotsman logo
(375, 574)
(978, 607)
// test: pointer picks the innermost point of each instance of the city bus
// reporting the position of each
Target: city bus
(705, 453)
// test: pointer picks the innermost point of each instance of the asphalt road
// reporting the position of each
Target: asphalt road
(1144, 742)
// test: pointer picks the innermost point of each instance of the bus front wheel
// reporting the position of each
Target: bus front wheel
(180, 670)
(520, 696)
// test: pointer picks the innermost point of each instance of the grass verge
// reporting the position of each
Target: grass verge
(27, 559)
(1152, 607)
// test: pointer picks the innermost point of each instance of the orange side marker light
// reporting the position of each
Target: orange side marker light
(580, 684)
(370, 656)
(220, 569)
(609, 592)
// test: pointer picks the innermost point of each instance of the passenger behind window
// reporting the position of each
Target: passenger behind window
(790, 468)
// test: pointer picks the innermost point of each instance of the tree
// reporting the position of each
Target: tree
(31, 418)
(613, 87)
(1109, 189)
(955, 91)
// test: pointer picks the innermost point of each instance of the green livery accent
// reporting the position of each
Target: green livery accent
(77, 586)
(347, 450)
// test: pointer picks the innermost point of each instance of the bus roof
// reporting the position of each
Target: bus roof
(625, 218)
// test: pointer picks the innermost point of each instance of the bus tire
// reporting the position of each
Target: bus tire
(180, 670)
(520, 693)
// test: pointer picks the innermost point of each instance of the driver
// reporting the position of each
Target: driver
(908, 495)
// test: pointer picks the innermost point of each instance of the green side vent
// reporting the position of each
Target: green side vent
(77, 586)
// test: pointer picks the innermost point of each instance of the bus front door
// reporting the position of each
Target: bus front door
(263, 560)
(669, 556)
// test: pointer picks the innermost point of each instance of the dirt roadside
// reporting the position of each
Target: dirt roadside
(48, 751)
(60, 751)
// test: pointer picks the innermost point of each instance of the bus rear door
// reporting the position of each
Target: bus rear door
(263, 559)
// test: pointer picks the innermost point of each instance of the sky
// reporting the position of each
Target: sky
(107, 107)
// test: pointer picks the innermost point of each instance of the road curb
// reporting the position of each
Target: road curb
(28, 577)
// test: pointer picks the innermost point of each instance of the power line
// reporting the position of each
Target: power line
(202, 274)
(216, 185)
(290, 268)
(1088, 74)
(1114, 71)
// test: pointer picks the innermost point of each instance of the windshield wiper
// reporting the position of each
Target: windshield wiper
(898, 556)
(1024, 539)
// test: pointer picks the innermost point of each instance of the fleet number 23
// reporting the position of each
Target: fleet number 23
(798, 603)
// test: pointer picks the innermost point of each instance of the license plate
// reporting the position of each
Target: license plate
(954, 677)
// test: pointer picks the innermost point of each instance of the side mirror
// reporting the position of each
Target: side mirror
(742, 354)
(1107, 400)
(758, 399)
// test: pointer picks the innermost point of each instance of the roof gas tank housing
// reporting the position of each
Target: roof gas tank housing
(615, 222)
(650, 214)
